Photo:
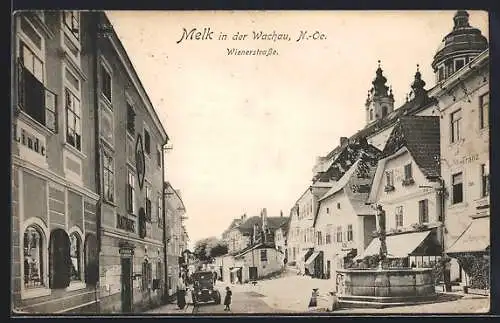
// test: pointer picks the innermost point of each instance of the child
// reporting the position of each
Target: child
(227, 299)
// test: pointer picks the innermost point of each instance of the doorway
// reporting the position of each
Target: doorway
(252, 273)
(126, 281)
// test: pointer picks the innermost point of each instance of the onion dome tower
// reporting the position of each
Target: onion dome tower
(380, 100)
(460, 46)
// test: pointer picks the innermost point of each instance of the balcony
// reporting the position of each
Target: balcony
(389, 188)
(482, 206)
(408, 181)
(124, 223)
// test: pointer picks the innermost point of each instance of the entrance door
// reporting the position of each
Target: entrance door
(126, 281)
(328, 269)
(252, 273)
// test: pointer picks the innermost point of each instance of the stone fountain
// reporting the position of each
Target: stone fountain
(383, 287)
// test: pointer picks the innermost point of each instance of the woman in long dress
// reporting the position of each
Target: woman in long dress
(227, 299)
(181, 293)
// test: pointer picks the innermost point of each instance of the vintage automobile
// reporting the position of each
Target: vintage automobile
(203, 288)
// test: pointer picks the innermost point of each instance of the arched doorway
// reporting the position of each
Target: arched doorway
(59, 259)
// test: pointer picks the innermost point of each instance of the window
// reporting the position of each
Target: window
(399, 216)
(30, 32)
(457, 188)
(485, 180)
(423, 211)
(75, 250)
(130, 119)
(459, 63)
(441, 74)
(384, 111)
(339, 234)
(147, 142)
(320, 238)
(338, 205)
(349, 233)
(147, 274)
(484, 102)
(159, 270)
(33, 257)
(109, 177)
(73, 126)
(106, 83)
(160, 211)
(371, 114)
(33, 98)
(263, 255)
(389, 178)
(456, 118)
(72, 22)
(131, 192)
(408, 172)
(328, 238)
(158, 157)
(148, 203)
(327, 210)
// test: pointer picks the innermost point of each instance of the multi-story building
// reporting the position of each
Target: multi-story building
(174, 217)
(280, 241)
(406, 187)
(54, 163)
(462, 73)
(300, 242)
(344, 223)
(131, 144)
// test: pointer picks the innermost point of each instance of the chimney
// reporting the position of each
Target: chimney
(344, 141)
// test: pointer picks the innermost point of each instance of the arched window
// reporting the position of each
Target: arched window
(371, 115)
(75, 253)
(33, 257)
(384, 111)
(60, 259)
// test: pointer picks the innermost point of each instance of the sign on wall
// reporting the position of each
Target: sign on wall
(140, 163)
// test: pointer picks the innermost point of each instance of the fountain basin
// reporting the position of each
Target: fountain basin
(385, 287)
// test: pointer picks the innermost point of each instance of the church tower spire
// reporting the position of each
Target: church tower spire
(380, 100)
(418, 84)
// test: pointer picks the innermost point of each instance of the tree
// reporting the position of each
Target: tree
(209, 248)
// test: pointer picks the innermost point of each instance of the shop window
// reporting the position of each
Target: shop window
(484, 102)
(457, 188)
(75, 252)
(59, 259)
(33, 257)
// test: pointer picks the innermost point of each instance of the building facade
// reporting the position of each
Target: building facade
(462, 70)
(54, 185)
(174, 217)
(131, 144)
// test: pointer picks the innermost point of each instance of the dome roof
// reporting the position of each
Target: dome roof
(462, 39)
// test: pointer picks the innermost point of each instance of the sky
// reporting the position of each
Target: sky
(245, 131)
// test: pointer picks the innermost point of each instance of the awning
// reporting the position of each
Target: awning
(312, 257)
(235, 269)
(303, 255)
(475, 238)
(398, 246)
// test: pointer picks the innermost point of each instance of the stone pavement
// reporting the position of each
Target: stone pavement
(172, 308)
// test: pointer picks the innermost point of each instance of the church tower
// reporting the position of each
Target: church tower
(380, 100)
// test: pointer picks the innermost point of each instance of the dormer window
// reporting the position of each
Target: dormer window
(459, 63)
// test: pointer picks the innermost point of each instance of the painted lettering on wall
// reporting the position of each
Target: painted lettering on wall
(29, 140)
(466, 159)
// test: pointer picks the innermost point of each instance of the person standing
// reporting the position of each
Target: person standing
(313, 302)
(227, 299)
(181, 293)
